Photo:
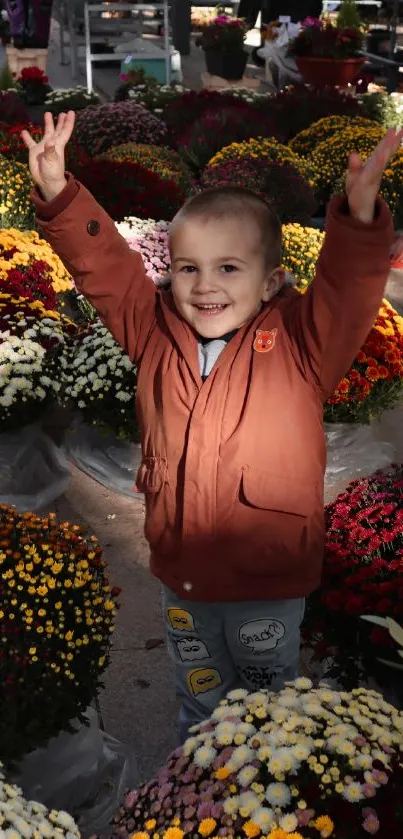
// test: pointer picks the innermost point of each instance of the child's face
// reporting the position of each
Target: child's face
(219, 273)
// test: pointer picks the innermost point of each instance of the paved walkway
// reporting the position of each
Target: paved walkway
(106, 80)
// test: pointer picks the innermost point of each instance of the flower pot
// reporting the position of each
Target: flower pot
(329, 72)
(227, 65)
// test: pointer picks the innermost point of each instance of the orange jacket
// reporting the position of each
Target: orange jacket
(232, 469)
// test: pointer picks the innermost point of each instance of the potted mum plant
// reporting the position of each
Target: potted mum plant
(328, 54)
(223, 42)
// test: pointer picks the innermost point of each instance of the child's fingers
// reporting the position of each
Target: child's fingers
(60, 124)
(382, 154)
(49, 126)
(27, 139)
(354, 163)
(50, 151)
(67, 127)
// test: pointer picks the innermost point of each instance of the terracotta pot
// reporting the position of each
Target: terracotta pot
(226, 65)
(329, 72)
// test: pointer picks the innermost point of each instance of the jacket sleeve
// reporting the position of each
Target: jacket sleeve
(104, 268)
(329, 323)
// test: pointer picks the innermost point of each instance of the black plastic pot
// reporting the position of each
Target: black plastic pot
(378, 42)
(226, 65)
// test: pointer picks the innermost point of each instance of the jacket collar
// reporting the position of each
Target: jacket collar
(186, 339)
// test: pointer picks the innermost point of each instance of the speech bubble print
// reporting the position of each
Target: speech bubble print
(261, 635)
(181, 620)
(191, 649)
(203, 680)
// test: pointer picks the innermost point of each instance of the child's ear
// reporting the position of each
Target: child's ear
(273, 283)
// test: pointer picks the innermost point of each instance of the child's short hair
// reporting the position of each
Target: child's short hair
(226, 201)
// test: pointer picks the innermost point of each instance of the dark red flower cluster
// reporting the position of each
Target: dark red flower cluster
(296, 108)
(218, 127)
(362, 573)
(129, 189)
(33, 281)
(12, 109)
(184, 110)
(32, 74)
(278, 183)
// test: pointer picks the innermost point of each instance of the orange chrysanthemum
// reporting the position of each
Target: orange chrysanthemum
(207, 826)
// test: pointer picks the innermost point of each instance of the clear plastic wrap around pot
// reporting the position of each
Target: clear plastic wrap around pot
(100, 454)
(86, 773)
(33, 471)
(352, 451)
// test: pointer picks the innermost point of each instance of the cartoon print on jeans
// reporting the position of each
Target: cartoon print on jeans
(259, 678)
(261, 635)
(202, 680)
(180, 620)
(191, 649)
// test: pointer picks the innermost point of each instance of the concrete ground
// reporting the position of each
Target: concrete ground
(138, 704)
(106, 79)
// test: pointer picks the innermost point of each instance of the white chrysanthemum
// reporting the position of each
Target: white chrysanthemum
(246, 728)
(289, 823)
(248, 800)
(237, 695)
(264, 818)
(353, 792)
(240, 757)
(204, 756)
(258, 698)
(63, 819)
(190, 745)
(247, 775)
(301, 684)
(301, 751)
(363, 761)
(288, 700)
(264, 753)
(225, 733)
(279, 715)
(278, 795)
(346, 748)
(231, 805)
(282, 760)
(220, 713)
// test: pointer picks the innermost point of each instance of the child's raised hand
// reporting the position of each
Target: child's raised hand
(46, 158)
(364, 179)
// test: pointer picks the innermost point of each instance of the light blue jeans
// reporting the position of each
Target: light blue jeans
(217, 647)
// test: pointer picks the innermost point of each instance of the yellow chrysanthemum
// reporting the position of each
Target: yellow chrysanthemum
(269, 149)
(222, 773)
(306, 141)
(207, 826)
(173, 833)
(325, 825)
(251, 829)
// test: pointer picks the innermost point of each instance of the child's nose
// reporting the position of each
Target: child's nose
(203, 282)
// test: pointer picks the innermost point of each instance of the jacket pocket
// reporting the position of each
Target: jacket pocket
(273, 524)
(268, 492)
(152, 480)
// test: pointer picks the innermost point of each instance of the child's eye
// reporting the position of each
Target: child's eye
(228, 269)
(188, 269)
